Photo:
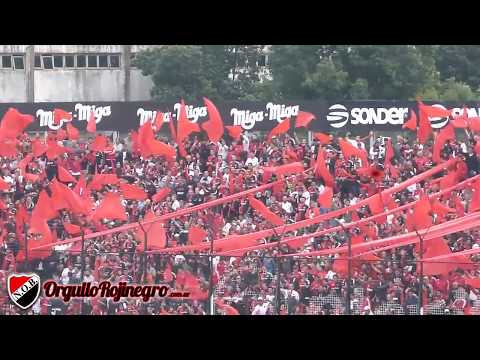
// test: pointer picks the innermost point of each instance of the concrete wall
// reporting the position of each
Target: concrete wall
(12, 86)
(74, 85)
(139, 86)
(79, 85)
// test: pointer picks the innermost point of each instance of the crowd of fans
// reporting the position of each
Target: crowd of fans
(258, 282)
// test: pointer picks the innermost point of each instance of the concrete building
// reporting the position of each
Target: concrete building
(69, 73)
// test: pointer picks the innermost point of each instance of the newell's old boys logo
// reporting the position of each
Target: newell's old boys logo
(23, 289)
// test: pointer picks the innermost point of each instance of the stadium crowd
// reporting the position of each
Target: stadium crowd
(258, 282)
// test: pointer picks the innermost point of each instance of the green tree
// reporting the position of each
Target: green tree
(328, 81)
(453, 90)
(177, 72)
(461, 62)
(391, 71)
(359, 90)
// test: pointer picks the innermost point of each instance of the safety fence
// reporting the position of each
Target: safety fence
(256, 284)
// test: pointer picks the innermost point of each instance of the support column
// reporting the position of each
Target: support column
(126, 71)
(30, 73)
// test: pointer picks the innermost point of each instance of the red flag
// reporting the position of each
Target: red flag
(340, 265)
(38, 148)
(323, 138)
(425, 127)
(158, 122)
(184, 126)
(234, 131)
(92, 123)
(132, 192)
(303, 119)
(461, 121)
(474, 124)
(4, 185)
(459, 207)
(72, 229)
(214, 125)
(265, 212)
(281, 128)
(24, 162)
(110, 208)
(58, 198)
(196, 235)
(348, 150)
(59, 115)
(38, 225)
(291, 154)
(325, 198)
(448, 180)
(81, 186)
(8, 150)
(227, 309)
(149, 146)
(447, 133)
(145, 132)
(31, 177)
(441, 210)
(64, 175)
(14, 123)
(54, 150)
(161, 194)
(293, 168)
(72, 132)
(321, 169)
(389, 201)
(376, 206)
(437, 247)
(102, 179)
(61, 135)
(157, 147)
(433, 111)
(389, 152)
(372, 172)
(181, 149)
(44, 207)
(411, 123)
(173, 133)
(421, 213)
(74, 202)
(100, 144)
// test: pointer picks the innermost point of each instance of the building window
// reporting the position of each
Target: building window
(18, 62)
(114, 61)
(103, 61)
(262, 61)
(58, 61)
(6, 62)
(38, 62)
(47, 62)
(92, 61)
(69, 61)
(81, 61)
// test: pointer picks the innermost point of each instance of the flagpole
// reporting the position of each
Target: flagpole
(420, 295)
(82, 271)
(349, 268)
(27, 262)
(211, 302)
(145, 247)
